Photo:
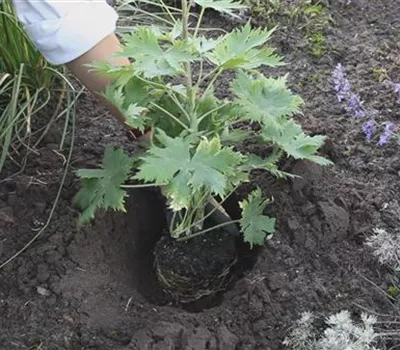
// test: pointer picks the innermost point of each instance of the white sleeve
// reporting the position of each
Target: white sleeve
(64, 30)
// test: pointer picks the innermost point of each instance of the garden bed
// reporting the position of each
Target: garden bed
(95, 288)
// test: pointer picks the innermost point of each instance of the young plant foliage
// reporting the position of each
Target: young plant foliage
(102, 187)
(170, 88)
(256, 226)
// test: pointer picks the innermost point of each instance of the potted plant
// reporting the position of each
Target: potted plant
(169, 87)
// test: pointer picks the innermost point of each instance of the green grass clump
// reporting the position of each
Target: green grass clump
(27, 84)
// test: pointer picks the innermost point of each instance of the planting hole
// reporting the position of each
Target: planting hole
(145, 222)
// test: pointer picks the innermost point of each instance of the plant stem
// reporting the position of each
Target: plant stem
(141, 185)
(156, 85)
(198, 211)
(199, 202)
(185, 32)
(208, 230)
(210, 85)
(166, 9)
(185, 17)
(176, 234)
(188, 70)
(179, 104)
(203, 79)
(170, 115)
(203, 9)
(200, 73)
(213, 111)
(172, 223)
(182, 223)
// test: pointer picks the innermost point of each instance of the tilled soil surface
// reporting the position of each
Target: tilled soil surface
(92, 289)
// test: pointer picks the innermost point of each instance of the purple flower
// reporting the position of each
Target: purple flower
(394, 86)
(369, 128)
(344, 91)
(355, 107)
(385, 136)
(341, 84)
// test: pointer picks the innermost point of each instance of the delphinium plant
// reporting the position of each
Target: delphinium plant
(170, 88)
(356, 109)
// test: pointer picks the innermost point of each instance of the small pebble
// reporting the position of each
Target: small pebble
(43, 291)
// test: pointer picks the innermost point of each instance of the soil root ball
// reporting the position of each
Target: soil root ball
(196, 268)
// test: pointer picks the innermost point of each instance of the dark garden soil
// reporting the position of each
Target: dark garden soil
(95, 289)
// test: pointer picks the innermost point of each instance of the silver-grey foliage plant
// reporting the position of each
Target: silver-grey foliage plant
(342, 333)
(385, 246)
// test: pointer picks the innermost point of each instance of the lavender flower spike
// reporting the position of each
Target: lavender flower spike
(355, 107)
(341, 84)
(394, 86)
(385, 137)
(368, 128)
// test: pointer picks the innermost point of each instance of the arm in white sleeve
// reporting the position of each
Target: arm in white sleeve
(64, 30)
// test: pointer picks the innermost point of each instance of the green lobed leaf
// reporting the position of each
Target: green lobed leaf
(136, 91)
(291, 139)
(171, 35)
(269, 164)
(254, 224)
(152, 60)
(202, 44)
(119, 74)
(225, 6)
(184, 170)
(133, 114)
(161, 164)
(213, 164)
(142, 42)
(235, 136)
(140, 98)
(177, 29)
(269, 102)
(161, 120)
(179, 89)
(101, 188)
(178, 54)
(257, 58)
(238, 49)
(265, 100)
(208, 112)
